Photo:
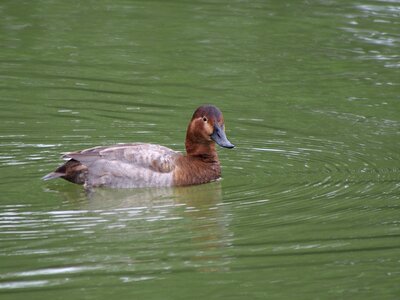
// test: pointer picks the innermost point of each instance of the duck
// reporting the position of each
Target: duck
(140, 165)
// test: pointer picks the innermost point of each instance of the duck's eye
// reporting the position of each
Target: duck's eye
(205, 119)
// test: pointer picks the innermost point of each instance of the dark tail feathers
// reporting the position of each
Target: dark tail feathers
(72, 171)
(52, 175)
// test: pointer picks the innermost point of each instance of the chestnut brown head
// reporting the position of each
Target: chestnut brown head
(207, 126)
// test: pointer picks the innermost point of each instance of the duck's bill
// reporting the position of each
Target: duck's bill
(220, 138)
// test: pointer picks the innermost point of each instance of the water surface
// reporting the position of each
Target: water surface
(308, 206)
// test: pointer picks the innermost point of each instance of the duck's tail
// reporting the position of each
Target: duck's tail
(53, 175)
(72, 171)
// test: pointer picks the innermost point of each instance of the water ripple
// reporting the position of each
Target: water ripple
(312, 168)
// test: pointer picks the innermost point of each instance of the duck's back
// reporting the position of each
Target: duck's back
(127, 165)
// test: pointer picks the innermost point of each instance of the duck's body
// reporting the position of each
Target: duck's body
(147, 165)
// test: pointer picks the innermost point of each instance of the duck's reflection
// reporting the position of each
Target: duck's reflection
(193, 196)
(192, 216)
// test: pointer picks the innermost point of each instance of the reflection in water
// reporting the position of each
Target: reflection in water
(102, 198)
(152, 230)
(198, 207)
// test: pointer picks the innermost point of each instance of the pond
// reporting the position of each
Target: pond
(308, 205)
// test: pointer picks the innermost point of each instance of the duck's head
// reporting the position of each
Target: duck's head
(206, 127)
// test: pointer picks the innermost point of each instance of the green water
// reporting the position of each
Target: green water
(308, 207)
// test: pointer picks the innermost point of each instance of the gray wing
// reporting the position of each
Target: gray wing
(155, 157)
(128, 165)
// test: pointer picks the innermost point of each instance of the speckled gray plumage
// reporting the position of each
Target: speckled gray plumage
(128, 165)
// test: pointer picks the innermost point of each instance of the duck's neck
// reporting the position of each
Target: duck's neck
(199, 165)
(205, 152)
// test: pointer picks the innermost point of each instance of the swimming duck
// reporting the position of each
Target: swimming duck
(147, 165)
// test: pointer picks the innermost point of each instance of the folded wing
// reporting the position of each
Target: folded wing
(127, 165)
